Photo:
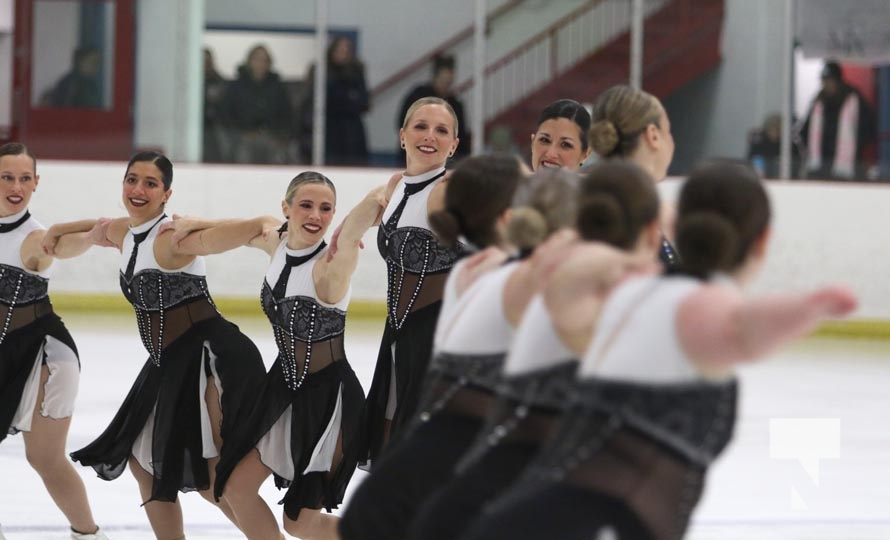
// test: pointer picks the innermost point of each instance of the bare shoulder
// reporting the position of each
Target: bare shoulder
(477, 265)
(707, 310)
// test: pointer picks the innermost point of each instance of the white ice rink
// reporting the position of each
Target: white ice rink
(749, 494)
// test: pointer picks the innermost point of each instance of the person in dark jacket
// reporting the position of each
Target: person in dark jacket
(838, 127)
(258, 111)
(347, 100)
(216, 147)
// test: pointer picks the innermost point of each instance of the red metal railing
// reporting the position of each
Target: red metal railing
(448, 44)
(553, 51)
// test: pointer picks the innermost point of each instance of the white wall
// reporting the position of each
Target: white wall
(822, 233)
(169, 77)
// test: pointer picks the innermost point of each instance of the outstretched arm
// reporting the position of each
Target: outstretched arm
(195, 236)
(717, 326)
(335, 238)
(66, 240)
(333, 273)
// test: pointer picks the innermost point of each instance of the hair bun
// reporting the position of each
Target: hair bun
(527, 227)
(602, 218)
(604, 137)
(446, 225)
(707, 242)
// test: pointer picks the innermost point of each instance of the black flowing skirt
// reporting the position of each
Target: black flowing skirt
(406, 476)
(446, 513)
(172, 391)
(18, 352)
(414, 348)
(313, 405)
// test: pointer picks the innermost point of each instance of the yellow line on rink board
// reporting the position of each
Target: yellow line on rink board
(376, 310)
(115, 303)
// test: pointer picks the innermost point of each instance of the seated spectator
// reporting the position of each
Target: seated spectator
(500, 139)
(257, 110)
(765, 149)
(79, 87)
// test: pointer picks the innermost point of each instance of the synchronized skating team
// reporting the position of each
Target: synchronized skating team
(557, 361)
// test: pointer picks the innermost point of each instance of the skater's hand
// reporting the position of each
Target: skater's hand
(50, 239)
(99, 233)
(835, 301)
(181, 226)
(332, 248)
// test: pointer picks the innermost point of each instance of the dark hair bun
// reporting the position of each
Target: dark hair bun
(446, 226)
(602, 218)
(708, 241)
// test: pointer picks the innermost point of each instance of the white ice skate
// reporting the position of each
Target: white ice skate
(1, 535)
(98, 535)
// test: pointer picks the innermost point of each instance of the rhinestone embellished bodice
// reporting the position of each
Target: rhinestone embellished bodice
(153, 294)
(18, 286)
(411, 250)
(157, 294)
(308, 332)
(298, 322)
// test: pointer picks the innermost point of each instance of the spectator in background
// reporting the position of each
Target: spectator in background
(257, 110)
(500, 139)
(838, 127)
(215, 142)
(441, 87)
(347, 100)
(79, 87)
(765, 149)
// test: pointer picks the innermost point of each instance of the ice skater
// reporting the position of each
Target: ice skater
(201, 370)
(39, 365)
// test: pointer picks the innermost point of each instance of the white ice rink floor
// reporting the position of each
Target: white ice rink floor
(750, 495)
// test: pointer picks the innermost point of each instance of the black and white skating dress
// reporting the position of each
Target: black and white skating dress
(417, 267)
(311, 400)
(472, 341)
(630, 455)
(31, 336)
(537, 379)
(164, 422)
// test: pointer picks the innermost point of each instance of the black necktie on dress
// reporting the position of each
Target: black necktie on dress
(280, 288)
(410, 189)
(137, 239)
(8, 227)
